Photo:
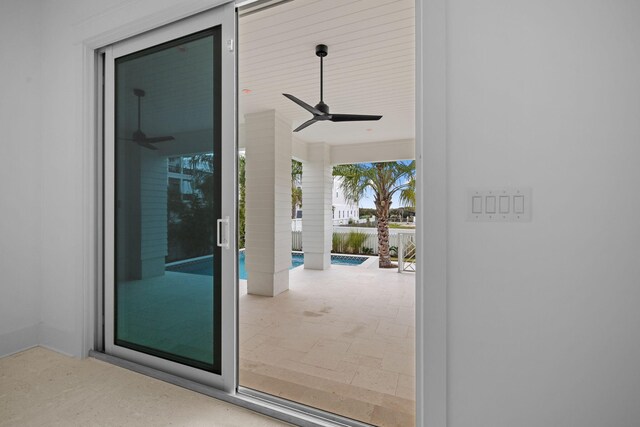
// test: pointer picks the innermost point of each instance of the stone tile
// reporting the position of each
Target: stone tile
(392, 329)
(254, 342)
(303, 344)
(406, 387)
(376, 380)
(385, 417)
(324, 360)
(343, 373)
(332, 402)
(401, 363)
(368, 347)
(363, 360)
(335, 328)
(272, 353)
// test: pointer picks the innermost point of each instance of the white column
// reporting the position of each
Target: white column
(153, 213)
(142, 212)
(268, 209)
(317, 226)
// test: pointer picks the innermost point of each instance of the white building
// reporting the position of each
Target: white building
(343, 209)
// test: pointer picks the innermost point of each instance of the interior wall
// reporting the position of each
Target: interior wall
(543, 316)
(20, 174)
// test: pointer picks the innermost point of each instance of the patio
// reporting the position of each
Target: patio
(340, 339)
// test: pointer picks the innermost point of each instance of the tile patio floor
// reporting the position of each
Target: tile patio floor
(340, 340)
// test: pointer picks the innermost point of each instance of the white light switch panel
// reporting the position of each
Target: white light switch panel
(509, 204)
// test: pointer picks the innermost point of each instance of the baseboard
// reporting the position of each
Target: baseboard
(20, 340)
(64, 342)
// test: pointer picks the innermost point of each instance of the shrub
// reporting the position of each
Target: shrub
(355, 240)
(393, 251)
(336, 243)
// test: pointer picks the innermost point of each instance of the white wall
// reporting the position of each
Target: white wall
(544, 316)
(20, 175)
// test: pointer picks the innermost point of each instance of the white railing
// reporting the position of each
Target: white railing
(296, 224)
(340, 240)
(406, 252)
(296, 240)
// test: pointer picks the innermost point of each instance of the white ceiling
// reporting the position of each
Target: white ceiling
(369, 69)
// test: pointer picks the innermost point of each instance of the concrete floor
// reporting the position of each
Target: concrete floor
(39, 387)
(341, 340)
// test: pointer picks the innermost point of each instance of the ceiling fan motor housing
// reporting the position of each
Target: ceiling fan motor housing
(322, 107)
(322, 50)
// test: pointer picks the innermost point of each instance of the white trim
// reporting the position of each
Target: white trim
(432, 200)
(380, 151)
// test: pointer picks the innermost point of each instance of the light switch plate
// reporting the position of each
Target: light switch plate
(507, 204)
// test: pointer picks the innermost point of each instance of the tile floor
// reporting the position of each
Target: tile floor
(340, 340)
(40, 387)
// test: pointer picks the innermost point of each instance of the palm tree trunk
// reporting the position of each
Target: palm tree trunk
(293, 201)
(384, 258)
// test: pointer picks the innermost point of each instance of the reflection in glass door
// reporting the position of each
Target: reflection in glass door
(169, 124)
(167, 264)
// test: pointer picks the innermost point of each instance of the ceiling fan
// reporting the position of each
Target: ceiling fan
(140, 137)
(321, 110)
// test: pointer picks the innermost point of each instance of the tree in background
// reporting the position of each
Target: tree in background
(296, 192)
(408, 195)
(242, 200)
(190, 229)
(383, 179)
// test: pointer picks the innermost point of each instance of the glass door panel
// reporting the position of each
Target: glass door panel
(169, 259)
(167, 264)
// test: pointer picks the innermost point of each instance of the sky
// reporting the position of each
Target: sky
(367, 202)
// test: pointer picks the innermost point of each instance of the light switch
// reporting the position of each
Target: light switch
(504, 204)
(476, 206)
(499, 204)
(518, 204)
(491, 204)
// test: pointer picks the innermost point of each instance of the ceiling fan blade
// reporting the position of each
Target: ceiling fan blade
(304, 105)
(159, 139)
(352, 117)
(146, 145)
(305, 124)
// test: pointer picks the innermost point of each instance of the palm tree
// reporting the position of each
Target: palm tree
(408, 195)
(296, 192)
(242, 199)
(383, 180)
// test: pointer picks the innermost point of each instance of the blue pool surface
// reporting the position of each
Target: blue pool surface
(204, 266)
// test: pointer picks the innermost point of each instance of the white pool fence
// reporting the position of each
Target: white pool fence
(371, 241)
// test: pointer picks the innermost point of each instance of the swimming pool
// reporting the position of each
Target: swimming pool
(204, 266)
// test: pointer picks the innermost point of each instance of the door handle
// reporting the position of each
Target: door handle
(223, 235)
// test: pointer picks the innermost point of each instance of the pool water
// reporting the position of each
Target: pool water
(204, 267)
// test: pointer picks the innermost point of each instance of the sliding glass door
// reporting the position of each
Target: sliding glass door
(169, 198)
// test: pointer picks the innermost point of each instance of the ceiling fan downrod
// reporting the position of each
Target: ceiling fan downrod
(321, 111)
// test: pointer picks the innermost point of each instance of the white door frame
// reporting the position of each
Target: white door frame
(431, 164)
(223, 16)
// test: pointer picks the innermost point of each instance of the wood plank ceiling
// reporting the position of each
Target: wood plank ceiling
(369, 70)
